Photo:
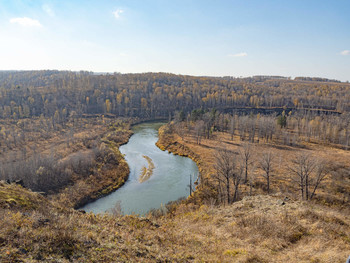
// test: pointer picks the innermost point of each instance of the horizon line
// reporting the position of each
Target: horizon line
(179, 74)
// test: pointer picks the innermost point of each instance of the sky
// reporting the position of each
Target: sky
(192, 37)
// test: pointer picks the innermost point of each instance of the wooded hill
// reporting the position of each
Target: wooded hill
(46, 119)
(42, 110)
(60, 94)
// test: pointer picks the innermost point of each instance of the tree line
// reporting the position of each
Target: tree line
(236, 168)
(60, 94)
(287, 129)
(42, 103)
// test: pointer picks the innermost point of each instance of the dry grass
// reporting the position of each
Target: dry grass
(85, 150)
(333, 191)
(263, 229)
(63, 141)
(112, 171)
(256, 229)
(260, 228)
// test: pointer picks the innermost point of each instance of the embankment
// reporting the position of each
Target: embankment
(168, 142)
(110, 173)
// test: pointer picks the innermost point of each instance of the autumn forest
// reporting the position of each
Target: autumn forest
(255, 140)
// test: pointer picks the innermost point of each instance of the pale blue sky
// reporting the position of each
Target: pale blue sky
(196, 37)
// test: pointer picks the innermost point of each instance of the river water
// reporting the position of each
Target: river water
(169, 181)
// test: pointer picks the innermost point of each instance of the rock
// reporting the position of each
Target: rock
(19, 182)
(280, 202)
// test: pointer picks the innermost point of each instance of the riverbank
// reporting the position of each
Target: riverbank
(168, 140)
(156, 177)
(110, 173)
(261, 228)
(333, 191)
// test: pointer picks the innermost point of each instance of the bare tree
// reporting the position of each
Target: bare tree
(304, 164)
(237, 177)
(232, 126)
(321, 172)
(117, 210)
(225, 168)
(245, 154)
(199, 130)
(227, 172)
(180, 129)
(266, 164)
(242, 126)
(252, 178)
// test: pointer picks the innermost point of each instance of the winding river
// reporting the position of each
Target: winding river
(168, 181)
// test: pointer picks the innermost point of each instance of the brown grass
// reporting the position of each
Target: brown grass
(260, 228)
(112, 171)
(256, 229)
(333, 190)
(87, 149)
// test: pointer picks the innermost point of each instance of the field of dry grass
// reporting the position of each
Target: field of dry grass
(256, 229)
(334, 190)
(259, 228)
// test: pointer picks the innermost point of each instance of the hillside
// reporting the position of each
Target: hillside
(60, 133)
(332, 190)
(182, 131)
(256, 229)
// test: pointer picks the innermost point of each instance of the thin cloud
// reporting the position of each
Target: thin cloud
(48, 10)
(345, 52)
(242, 54)
(25, 21)
(117, 13)
(88, 43)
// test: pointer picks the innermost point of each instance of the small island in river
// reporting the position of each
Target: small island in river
(146, 172)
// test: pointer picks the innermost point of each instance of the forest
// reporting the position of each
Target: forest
(46, 105)
(272, 152)
(61, 94)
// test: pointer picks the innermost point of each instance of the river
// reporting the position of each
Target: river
(169, 180)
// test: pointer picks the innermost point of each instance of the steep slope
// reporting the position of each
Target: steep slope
(256, 229)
